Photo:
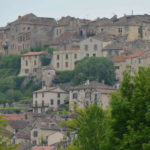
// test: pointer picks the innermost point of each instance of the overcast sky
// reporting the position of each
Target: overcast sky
(90, 9)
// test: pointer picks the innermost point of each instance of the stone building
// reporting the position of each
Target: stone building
(48, 74)
(30, 63)
(91, 47)
(134, 61)
(65, 59)
(26, 32)
(129, 25)
(48, 98)
(90, 92)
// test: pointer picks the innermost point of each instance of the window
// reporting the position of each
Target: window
(87, 95)
(42, 94)
(95, 47)
(58, 102)
(86, 47)
(43, 83)
(26, 70)
(66, 56)
(42, 103)
(26, 63)
(102, 30)
(57, 65)
(87, 103)
(119, 30)
(57, 57)
(34, 62)
(75, 56)
(34, 70)
(66, 64)
(35, 133)
(34, 142)
(75, 95)
(139, 60)
(117, 67)
(87, 54)
(36, 103)
(95, 97)
(52, 102)
(35, 95)
(28, 28)
(58, 95)
(94, 54)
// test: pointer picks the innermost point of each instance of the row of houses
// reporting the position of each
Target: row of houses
(30, 131)
(30, 31)
(82, 96)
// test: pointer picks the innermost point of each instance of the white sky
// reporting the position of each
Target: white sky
(90, 9)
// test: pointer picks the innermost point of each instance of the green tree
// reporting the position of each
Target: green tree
(92, 128)
(94, 68)
(131, 111)
(4, 136)
(63, 77)
(45, 60)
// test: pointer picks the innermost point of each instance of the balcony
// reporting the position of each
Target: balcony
(41, 105)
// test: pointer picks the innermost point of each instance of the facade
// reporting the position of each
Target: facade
(55, 138)
(26, 32)
(30, 62)
(48, 74)
(87, 94)
(65, 59)
(48, 98)
(91, 47)
(134, 61)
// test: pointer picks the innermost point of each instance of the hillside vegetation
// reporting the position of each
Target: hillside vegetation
(11, 86)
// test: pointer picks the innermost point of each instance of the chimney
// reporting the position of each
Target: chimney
(103, 82)
(87, 82)
(19, 17)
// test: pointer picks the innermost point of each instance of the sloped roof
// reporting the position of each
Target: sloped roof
(13, 116)
(17, 124)
(136, 54)
(45, 90)
(32, 53)
(92, 85)
(119, 58)
(105, 91)
(63, 38)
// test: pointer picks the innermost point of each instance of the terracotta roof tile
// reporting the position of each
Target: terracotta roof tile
(119, 58)
(43, 148)
(13, 116)
(32, 53)
(136, 54)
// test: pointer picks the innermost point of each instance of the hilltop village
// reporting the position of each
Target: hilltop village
(61, 44)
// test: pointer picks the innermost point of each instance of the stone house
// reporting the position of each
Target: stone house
(84, 95)
(30, 62)
(48, 74)
(91, 47)
(120, 65)
(26, 32)
(134, 61)
(23, 136)
(48, 98)
(46, 132)
(65, 59)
